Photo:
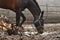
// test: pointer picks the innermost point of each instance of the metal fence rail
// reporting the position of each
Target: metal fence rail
(51, 14)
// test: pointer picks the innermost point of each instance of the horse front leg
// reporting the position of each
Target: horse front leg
(18, 25)
(17, 18)
(23, 17)
(18, 15)
(36, 13)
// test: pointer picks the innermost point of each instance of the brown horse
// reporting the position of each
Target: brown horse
(22, 15)
(19, 5)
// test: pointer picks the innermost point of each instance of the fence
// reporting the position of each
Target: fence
(51, 14)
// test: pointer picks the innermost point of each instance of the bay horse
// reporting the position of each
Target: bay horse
(24, 18)
(19, 5)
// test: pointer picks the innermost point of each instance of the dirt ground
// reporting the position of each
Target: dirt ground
(51, 32)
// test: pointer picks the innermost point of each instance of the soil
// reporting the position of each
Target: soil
(51, 32)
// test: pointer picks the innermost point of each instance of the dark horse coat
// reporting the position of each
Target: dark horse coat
(19, 5)
(14, 5)
(22, 15)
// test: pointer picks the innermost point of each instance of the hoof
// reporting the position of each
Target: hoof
(12, 32)
(9, 32)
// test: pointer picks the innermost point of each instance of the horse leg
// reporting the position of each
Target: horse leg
(36, 13)
(22, 15)
(17, 18)
(21, 5)
(19, 27)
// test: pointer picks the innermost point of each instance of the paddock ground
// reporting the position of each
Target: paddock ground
(51, 32)
(47, 27)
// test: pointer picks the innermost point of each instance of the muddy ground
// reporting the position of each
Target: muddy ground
(51, 32)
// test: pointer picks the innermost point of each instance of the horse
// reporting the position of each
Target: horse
(19, 5)
(24, 18)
